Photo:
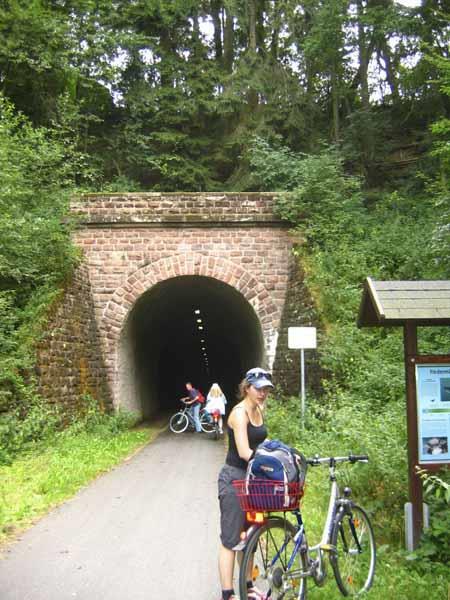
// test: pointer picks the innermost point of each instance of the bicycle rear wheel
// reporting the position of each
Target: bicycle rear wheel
(354, 559)
(266, 559)
(178, 422)
(206, 422)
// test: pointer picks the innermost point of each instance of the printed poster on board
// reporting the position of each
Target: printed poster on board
(433, 412)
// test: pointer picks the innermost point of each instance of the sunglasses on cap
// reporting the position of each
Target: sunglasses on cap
(253, 375)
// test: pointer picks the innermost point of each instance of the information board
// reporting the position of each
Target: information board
(302, 338)
(433, 412)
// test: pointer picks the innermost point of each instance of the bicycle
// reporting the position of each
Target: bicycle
(215, 418)
(276, 552)
(181, 420)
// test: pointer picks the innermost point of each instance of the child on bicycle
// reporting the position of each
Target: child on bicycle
(215, 400)
(246, 430)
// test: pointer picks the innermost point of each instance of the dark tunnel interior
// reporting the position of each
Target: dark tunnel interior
(163, 347)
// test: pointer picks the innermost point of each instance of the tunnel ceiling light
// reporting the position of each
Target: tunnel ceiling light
(200, 327)
(202, 341)
(199, 320)
(197, 311)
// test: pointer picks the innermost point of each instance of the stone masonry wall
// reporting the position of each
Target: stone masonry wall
(130, 242)
(133, 241)
(299, 311)
(181, 209)
(69, 357)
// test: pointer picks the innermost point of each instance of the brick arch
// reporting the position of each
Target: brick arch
(142, 279)
(130, 242)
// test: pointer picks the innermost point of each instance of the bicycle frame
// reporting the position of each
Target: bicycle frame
(319, 571)
(189, 416)
(317, 565)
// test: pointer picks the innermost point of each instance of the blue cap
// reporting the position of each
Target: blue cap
(259, 378)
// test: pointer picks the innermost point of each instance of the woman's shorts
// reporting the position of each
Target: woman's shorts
(232, 517)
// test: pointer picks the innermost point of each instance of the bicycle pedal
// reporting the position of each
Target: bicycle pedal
(239, 546)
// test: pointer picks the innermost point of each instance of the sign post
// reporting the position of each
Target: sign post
(413, 304)
(302, 338)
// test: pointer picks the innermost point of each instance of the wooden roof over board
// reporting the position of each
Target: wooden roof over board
(386, 303)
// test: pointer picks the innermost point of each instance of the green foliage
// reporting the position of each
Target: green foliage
(37, 175)
(434, 485)
(340, 426)
(434, 547)
(168, 94)
(380, 486)
(347, 237)
(36, 255)
(91, 418)
(33, 423)
(324, 201)
(56, 469)
(440, 186)
(25, 426)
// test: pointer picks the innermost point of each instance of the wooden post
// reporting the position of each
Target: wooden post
(415, 483)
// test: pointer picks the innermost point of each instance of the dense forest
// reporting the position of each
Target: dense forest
(341, 106)
(161, 95)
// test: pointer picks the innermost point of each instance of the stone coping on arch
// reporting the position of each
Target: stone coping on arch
(180, 209)
(147, 275)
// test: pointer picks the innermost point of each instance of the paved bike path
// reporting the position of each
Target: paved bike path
(148, 529)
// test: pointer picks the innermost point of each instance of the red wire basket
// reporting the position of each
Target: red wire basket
(267, 495)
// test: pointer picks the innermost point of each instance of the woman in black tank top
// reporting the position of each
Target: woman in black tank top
(246, 430)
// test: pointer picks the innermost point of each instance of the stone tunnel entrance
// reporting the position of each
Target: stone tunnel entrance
(162, 344)
(126, 331)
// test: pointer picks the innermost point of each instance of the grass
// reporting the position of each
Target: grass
(394, 575)
(47, 476)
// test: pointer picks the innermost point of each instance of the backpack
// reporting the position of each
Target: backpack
(200, 397)
(275, 476)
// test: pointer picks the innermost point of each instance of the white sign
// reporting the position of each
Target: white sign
(302, 337)
(433, 411)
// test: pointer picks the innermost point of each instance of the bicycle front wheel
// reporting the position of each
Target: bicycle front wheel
(178, 422)
(354, 558)
(270, 563)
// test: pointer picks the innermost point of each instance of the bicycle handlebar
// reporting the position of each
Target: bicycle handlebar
(316, 460)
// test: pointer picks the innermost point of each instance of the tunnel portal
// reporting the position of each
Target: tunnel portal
(125, 332)
(186, 328)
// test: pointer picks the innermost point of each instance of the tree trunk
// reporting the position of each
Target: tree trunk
(390, 71)
(252, 25)
(215, 14)
(228, 41)
(335, 105)
(274, 43)
(363, 58)
(260, 30)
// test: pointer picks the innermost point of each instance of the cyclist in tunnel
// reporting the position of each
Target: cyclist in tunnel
(246, 430)
(215, 400)
(193, 400)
